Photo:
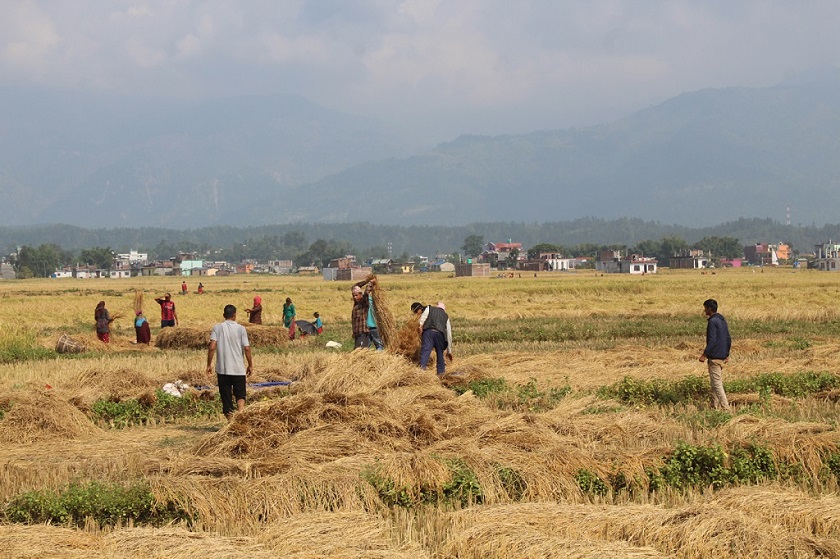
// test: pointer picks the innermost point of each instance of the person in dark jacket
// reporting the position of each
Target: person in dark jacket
(435, 331)
(716, 352)
(103, 322)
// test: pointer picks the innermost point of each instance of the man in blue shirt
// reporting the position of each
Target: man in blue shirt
(716, 352)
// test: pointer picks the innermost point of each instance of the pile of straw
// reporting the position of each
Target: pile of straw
(194, 338)
(138, 301)
(42, 415)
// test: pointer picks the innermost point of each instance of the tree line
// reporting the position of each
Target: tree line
(43, 260)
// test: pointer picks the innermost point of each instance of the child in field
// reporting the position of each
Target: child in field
(319, 324)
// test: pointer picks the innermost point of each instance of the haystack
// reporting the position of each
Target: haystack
(193, 338)
(42, 415)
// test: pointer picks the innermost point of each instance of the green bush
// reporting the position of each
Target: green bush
(162, 406)
(701, 466)
(591, 483)
(107, 503)
(462, 488)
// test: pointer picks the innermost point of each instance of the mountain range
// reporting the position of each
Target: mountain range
(702, 157)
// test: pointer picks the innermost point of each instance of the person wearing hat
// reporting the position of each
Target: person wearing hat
(435, 331)
(168, 316)
(362, 317)
(141, 329)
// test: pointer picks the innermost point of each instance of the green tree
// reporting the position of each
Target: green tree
(473, 246)
(40, 261)
(512, 258)
(721, 247)
(102, 258)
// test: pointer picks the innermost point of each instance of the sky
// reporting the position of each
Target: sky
(436, 68)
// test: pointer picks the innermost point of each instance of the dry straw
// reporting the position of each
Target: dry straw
(193, 338)
(39, 415)
(385, 322)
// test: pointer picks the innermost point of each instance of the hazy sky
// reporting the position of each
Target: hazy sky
(437, 67)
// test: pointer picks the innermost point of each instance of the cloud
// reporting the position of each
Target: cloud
(478, 64)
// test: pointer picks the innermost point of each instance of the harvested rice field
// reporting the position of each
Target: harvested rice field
(573, 423)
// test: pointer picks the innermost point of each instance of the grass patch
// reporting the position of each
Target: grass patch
(692, 390)
(107, 503)
(462, 488)
(21, 344)
(161, 406)
(528, 397)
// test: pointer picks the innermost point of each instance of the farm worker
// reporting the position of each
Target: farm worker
(103, 322)
(229, 342)
(718, 344)
(289, 317)
(255, 312)
(141, 329)
(184, 287)
(200, 288)
(319, 324)
(435, 331)
(168, 316)
(362, 317)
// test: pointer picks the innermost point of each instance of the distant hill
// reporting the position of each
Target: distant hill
(101, 161)
(703, 157)
(708, 155)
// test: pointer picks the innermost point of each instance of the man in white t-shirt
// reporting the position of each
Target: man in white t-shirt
(229, 342)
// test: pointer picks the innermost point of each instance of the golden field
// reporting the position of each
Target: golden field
(361, 454)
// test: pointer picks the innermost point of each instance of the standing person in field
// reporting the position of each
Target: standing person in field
(319, 324)
(716, 352)
(435, 331)
(168, 316)
(184, 287)
(255, 312)
(103, 322)
(200, 288)
(229, 342)
(289, 317)
(362, 311)
(141, 329)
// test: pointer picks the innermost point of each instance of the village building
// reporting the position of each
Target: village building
(474, 270)
(611, 262)
(691, 259)
(827, 257)
(764, 254)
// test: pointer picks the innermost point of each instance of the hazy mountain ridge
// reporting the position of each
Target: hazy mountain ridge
(733, 152)
(103, 161)
(708, 156)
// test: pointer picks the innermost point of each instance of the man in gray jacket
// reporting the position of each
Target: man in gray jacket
(718, 344)
(435, 333)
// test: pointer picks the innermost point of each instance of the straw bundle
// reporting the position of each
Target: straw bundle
(407, 340)
(385, 322)
(138, 301)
